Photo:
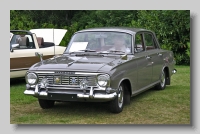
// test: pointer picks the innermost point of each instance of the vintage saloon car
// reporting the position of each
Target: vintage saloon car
(24, 44)
(102, 65)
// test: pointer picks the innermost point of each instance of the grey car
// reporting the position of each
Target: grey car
(102, 65)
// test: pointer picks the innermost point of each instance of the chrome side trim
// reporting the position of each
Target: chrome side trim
(19, 69)
(48, 72)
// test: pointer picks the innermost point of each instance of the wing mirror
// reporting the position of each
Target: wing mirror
(13, 46)
(40, 55)
(124, 57)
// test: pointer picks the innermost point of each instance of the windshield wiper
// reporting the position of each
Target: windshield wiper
(116, 51)
(87, 50)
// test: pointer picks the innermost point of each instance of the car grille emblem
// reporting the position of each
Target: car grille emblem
(73, 80)
(57, 80)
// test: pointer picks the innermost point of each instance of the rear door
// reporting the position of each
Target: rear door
(144, 73)
(155, 55)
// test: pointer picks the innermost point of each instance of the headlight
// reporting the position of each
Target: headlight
(31, 78)
(103, 80)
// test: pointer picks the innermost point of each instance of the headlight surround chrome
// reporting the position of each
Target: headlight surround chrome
(31, 78)
(103, 80)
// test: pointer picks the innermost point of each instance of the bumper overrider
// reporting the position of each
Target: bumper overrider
(69, 86)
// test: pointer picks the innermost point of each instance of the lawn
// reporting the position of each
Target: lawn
(169, 106)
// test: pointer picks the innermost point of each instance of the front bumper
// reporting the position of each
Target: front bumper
(69, 95)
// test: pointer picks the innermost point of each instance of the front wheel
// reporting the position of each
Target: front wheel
(162, 83)
(45, 104)
(116, 105)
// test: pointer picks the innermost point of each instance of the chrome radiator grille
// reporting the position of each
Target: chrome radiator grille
(68, 80)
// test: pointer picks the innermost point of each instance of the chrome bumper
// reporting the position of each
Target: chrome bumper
(174, 71)
(91, 95)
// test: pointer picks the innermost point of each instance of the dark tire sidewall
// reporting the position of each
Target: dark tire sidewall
(114, 104)
(45, 104)
(161, 85)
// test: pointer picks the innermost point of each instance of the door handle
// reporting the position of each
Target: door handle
(159, 54)
(148, 57)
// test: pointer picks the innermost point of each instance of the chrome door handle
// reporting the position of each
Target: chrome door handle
(148, 57)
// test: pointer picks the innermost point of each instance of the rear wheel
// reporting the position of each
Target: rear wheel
(45, 104)
(162, 83)
(116, 105)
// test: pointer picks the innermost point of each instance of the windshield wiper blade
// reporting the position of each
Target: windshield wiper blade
(85, 50)
(88, 50)
(116, 51)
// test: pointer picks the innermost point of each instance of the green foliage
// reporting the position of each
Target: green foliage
(172, 27)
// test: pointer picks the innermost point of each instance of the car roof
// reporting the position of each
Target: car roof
(115, 29)
(24, 31)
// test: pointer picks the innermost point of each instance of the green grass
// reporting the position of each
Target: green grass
(169, 106)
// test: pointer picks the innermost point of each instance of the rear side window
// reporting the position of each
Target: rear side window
(149, 41)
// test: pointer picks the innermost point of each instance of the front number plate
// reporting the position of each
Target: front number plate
(62, 97)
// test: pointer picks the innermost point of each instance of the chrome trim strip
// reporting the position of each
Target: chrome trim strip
(79, 73)
(76, 88)
(83, 73)
(44, 72)
(19, 69)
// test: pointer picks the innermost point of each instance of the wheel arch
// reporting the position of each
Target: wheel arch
(166, 69)
(127, 85)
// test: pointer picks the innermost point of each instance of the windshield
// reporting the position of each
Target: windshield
(100, 42)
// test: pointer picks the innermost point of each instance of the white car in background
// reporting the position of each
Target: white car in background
(24, 44)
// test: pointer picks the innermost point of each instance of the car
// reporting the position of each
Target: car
(24, 44)
(109, 64)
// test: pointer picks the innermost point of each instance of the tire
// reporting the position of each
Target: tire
(45, 104)
(116, 105)
(162, 83)
(127, 96)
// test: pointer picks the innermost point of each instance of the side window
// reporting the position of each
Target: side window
(149, 41)
(139, 44)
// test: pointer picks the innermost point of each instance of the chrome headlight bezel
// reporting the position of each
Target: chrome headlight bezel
(103, 80)
(34, 77)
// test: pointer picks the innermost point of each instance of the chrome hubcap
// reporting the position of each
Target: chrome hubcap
(120, 97)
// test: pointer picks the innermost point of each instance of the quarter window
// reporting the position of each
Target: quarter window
(139, 44)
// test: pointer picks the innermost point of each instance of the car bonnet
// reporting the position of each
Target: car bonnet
(76, 63)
